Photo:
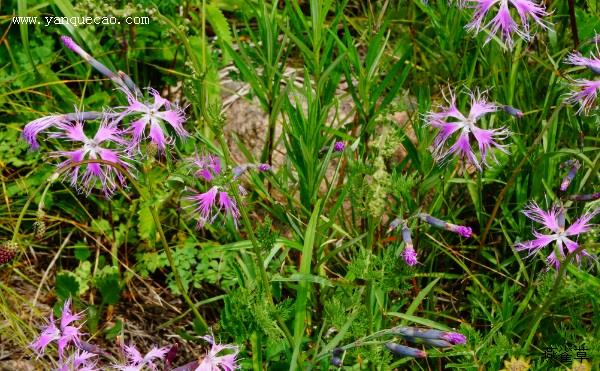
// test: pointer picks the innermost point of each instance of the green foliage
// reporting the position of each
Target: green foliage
(310, 265)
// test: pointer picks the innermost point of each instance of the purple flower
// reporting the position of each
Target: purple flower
(212, 361)
(264, 167)
(585, 94)
(554, 221)
(93, 149)
(451, 121)
(137, 362)
(454, 338)
(79, 361)
(339, 146)
(503, 20)
(409, 254)
(593, 63)
(228, 205)
(153, 115)
(66, 334)
(208, 167)
(210, 203)
(35, 127)
(464, 231)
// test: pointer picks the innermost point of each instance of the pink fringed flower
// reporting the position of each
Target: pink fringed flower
(451, 122)
(137, 362)
(503, 21)
(592, 63)
(585, 95)
(35, 127)
(79, 361)
(208, 167)
(554, 221)
(154, 115)
(106, 176)
(210, 203)
(64, 335)
(212, 361)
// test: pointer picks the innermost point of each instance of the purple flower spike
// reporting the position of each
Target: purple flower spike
(553, 220)
(153, 115)
(585, 94)
(455, 338)
(339, 146)
(213, 361)
(451, 122)
(93, 149)
(503, 22)
(466, 232)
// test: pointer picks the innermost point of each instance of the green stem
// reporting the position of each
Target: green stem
(255, 245)
(247, 224)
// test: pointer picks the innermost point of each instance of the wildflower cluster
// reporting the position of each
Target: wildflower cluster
(103, 160)
(74, 353)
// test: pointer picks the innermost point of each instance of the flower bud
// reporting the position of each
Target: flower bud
(402, 350)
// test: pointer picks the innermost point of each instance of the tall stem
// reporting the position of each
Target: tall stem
(573, 22)
(247, 224)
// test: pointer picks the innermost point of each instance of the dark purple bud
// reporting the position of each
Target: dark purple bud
(566, 182)
(264, 167)
(455, 338)
(402, 350)
(336, 357)
(587, 197)
(513, 111)
(171, 354)
(466, 232)
(459, 229)
(339, 146)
